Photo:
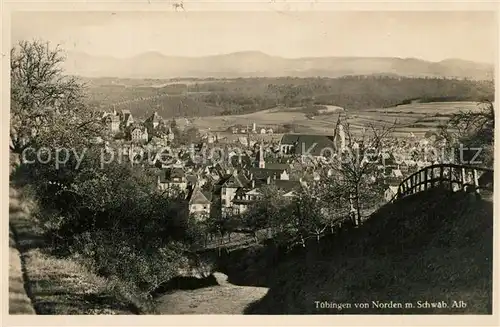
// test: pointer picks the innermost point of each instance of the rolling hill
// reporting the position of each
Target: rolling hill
(433, 246)
(258, 64)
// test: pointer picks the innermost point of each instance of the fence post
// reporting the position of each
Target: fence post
(441, 174)
(451, 178)
(425, 179)
(432, 177)
(464, 178)
(415, 182)
(476, 181)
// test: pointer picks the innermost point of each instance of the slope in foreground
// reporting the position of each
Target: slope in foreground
(427, 254)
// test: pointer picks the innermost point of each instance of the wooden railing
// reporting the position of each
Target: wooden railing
(454, 177)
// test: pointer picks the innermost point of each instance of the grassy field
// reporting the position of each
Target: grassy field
(417, 118)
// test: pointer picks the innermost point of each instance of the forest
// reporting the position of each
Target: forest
(247, 95)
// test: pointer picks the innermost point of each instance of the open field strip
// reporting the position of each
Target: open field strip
(422, 114)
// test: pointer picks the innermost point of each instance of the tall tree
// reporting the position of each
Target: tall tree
(42, 95)
(356, 164)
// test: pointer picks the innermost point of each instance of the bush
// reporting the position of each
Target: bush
(110, 216)
(115, 221)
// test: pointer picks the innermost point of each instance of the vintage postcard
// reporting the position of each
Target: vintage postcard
(290, 163)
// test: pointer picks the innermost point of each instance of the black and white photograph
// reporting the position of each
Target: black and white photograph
(183, 162)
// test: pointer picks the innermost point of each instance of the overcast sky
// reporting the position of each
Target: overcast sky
(430, 36)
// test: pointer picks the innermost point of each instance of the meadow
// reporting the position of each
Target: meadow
(416, 118)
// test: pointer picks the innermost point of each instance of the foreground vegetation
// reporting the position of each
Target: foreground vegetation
(112, 218)
(55, 285)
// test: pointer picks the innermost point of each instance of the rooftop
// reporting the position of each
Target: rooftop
(197, 196)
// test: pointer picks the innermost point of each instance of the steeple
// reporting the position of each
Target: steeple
(262, 162)
(342, 137)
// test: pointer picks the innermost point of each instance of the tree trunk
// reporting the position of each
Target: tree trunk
(302, 241)
(221, 238)
(358, 209)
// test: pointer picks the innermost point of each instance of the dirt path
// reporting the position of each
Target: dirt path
(223, 299)
(19, 300)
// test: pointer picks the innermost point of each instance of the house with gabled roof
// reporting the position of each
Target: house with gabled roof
(228, 186)
(112, 121)
(252, 192)
(199, 203)
(153, 121)
(264, 173)
(126, 118)
(139, 134)
(245, 197)
(172, 180)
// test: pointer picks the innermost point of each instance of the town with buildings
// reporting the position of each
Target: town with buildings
(214, 183)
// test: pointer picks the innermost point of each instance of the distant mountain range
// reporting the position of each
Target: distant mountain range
(257, 64)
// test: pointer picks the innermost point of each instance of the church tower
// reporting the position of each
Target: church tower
(342, 137)
(339, 138)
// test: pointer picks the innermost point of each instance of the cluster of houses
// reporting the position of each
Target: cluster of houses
(231, 186)
(135, 130)
(228, 187)
(253, 130)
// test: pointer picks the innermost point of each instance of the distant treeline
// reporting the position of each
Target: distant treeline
(445, 99)
(247, 95)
